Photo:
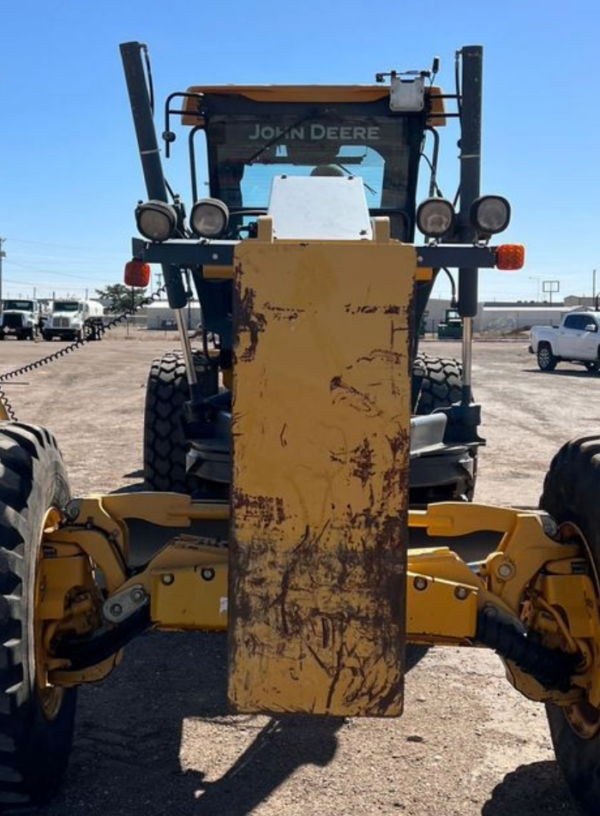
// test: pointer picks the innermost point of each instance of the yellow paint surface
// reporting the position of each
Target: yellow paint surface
(321, 436)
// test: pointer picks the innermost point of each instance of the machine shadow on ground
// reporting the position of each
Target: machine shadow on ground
(537, 789)
(126, 754)
(562, 372)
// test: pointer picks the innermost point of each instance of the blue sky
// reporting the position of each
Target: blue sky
(69, 171)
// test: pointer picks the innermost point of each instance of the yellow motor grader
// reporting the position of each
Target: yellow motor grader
(311, 291)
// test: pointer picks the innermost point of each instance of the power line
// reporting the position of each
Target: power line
(33, 268)
(79, 248)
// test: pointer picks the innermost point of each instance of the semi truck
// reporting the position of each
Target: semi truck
(73, 320)
(20, 318)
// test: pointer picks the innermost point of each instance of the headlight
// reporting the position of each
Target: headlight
(156, 220)
(435, 217)
(209, 217)
(490, 214)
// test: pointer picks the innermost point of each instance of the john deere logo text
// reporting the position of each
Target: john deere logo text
(337, 133)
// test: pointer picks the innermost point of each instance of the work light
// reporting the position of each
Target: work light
(209, 217)
(490, 214)
(435, 217)
(156, 220)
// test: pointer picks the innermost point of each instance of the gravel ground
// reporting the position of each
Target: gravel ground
(156, 737)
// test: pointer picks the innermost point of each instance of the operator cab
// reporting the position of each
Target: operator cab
(257, 133)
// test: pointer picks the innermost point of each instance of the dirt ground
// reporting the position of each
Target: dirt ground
(156, 737)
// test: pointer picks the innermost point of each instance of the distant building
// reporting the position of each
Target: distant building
(505, 317)
(497, 317)
(159, 315)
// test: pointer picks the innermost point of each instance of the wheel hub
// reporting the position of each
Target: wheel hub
(582, 716)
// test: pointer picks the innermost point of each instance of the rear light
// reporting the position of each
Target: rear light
(137, 273)
(510, 257)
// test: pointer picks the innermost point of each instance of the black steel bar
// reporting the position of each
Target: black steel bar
(470, 169)
(188, 253)
(139, 99)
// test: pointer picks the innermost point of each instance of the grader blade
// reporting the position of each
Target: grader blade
(319, 505)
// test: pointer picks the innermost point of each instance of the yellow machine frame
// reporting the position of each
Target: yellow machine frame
(352, 581)
(530, 574)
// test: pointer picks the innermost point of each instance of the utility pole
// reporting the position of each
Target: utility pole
(537, 279)
(2, 255)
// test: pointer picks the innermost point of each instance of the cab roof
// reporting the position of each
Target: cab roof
(303, 93)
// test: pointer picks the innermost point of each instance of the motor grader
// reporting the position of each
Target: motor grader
(317, 588)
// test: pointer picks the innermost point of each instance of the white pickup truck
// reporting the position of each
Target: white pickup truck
(575, 340)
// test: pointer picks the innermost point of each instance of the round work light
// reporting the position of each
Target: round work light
(156, 220)
(209, 218)
(490, 214)
(435, 217)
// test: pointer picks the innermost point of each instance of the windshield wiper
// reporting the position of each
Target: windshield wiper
(350, 173)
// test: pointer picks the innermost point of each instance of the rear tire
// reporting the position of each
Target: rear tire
(36, 723)
(165, 442)
(437, 383)
(545, 359)
(570, 494)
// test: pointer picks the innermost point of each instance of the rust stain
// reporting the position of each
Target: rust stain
(396, 329)
(384, 355)
(267, 510)
(282, 439)
(357, 399)
(351, 308)
(247, 319)
(395, 479)
(362, 461)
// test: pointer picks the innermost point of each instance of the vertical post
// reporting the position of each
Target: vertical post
(470, 185)
(2, 255)
(139, 99)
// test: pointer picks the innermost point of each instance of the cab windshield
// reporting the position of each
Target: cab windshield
(65, 306)
(19, 305)
(247, 151)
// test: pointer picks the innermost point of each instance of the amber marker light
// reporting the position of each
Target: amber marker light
(137, 273)
(510, 257)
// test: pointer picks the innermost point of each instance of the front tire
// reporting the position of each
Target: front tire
(36, 720)
(165, 442)
(545, 359)
(570, 494)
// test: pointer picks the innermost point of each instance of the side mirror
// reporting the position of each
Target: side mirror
(591, 327)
